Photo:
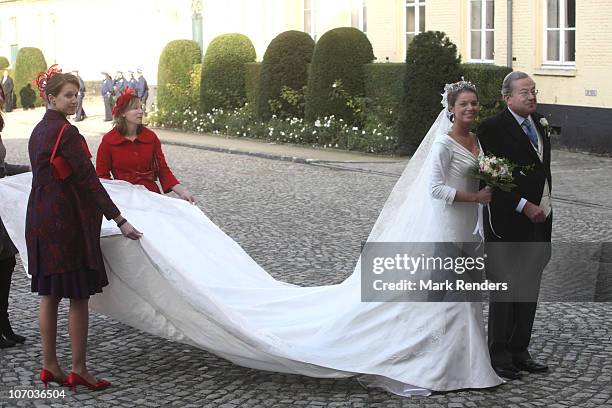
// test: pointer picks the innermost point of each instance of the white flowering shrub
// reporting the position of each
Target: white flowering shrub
(326, 132)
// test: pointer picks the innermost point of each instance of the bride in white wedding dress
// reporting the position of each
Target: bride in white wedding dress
(187, 281)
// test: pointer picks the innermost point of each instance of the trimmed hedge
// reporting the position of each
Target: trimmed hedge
(384, 91)
(30, 61)
(177, 63)
(431, 62)
(285, 63)
(340, 54)
(4, 62)
(223, 71)
(194, 86)
(251, 81)
(488, 80)
(384, 84)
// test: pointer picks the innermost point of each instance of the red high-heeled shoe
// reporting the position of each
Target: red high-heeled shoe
(47, 376)
(75, 379)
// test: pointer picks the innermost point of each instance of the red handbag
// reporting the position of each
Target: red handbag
(61, 167)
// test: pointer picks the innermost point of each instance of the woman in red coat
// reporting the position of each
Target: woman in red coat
(63, 222)
(133, 153)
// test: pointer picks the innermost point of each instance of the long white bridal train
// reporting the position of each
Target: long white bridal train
(189, 282)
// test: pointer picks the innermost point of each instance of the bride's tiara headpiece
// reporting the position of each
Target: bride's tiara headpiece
(455, 87)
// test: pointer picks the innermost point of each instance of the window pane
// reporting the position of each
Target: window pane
(490, 14)
(476, 18)
(355, 17)
(476, 45)
(570, 46)
(410, 26)
(422, 19)
(552, 53)
(570, 18)
(553, 13)
(490, 46)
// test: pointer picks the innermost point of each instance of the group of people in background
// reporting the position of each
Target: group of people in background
(27, 95)
(112, 88)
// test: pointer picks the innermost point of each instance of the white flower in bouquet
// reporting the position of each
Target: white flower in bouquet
(497, 172)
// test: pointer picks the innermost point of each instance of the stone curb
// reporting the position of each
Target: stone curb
(230, 150)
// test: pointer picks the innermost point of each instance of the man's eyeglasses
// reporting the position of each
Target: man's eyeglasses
(525, 93)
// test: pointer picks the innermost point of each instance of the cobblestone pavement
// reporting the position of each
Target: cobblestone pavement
(304, 224)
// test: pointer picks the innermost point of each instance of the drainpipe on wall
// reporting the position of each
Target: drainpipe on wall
(509, 40)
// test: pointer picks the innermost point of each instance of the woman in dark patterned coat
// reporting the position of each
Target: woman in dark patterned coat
(8, 338)
(63, 229)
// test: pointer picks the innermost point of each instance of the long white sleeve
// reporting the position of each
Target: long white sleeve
(441, 160)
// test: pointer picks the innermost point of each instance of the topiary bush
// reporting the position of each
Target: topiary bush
(488, 80)
(285, 64)
(178, 62)
(431, 62)
(29, 62)
(194, 85)
(251, 81)
(223, 71)
(4, 62)
(385, 81)
(384, 89)
(339, 55)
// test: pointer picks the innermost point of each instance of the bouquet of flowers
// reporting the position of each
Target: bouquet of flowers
(497, 172)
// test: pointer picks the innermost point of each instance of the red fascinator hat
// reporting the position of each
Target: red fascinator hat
(43, 77)
(122, 101)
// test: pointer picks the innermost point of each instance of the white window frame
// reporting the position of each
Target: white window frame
(416, 5)
(483, 34)
(562, 63)
(362, 23)
(312, 11)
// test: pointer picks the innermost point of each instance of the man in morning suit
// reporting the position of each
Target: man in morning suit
(519, 224)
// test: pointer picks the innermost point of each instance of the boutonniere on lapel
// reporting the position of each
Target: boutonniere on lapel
(546, 126)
